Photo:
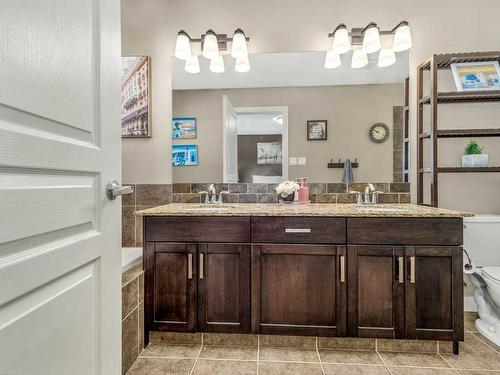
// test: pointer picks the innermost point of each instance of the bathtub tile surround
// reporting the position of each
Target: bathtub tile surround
(132, 315)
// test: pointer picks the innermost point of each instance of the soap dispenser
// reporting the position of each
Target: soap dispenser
(304, 191)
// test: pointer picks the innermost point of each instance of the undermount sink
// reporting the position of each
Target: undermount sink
(381, 209)
(208, 208)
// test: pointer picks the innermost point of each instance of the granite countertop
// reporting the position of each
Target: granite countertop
(315, 209)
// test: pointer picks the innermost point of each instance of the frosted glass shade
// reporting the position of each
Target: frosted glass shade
(239, 48)
(402, 39)
(217, 64)
(182, 46)
(192, 65)
(332, 60)
(371, 40)
(242, 65)
(386, 57)
(341, 43)
(210, 45)
(359, 59)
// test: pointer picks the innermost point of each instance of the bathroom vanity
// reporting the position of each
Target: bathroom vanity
(322, 270)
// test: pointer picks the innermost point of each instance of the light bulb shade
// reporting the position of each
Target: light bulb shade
(210, 45)
(371, 40)
(217, 64)
(341, 43)
(242, 65)
(359, 59)
(182, 46)
(402, 39)
(239, 47)
(192, 65)
(386, 57)
(332, 60)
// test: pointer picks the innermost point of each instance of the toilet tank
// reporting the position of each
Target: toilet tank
(482, 239)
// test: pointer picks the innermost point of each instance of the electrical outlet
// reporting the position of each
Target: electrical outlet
(301, 160)
(292, 160)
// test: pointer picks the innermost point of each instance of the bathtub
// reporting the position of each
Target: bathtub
(130, 257)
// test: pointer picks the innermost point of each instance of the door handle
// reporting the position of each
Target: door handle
(190, 266)
(297, 230)
(412, 270)
(342, 269)
(401, 270)
(114, 189)
(201, 265)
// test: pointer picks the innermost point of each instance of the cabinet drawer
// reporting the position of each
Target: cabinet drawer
(197, 229)
(405, 231)
(298, 230)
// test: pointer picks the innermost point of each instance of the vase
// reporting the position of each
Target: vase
(475, 161)
(288, 198)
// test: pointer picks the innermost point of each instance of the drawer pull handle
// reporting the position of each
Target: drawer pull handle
(190, 266)
(412, 270)
(201, 265)
(400, 270)
(298, 230)
(342, 269)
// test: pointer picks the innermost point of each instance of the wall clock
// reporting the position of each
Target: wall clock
(379, 132)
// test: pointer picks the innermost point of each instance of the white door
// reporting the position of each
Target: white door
(60, 279)
(230, 139)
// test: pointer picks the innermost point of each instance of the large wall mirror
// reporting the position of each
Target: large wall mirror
(288, 117)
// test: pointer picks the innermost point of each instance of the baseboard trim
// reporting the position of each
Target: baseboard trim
(470, 304)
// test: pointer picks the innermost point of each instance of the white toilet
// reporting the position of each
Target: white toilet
(482, 242)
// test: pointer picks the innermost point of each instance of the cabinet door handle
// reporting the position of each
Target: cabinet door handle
(412, 270)
(297, 230)
(401, 270)
(201, 265)
(190, 266)
(342, 269)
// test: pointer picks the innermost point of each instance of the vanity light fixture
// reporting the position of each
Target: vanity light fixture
(242, 65)
(239, 48)
(210, 45)
(183, 46)
(192, 65)
(217, 64)
(365, 41)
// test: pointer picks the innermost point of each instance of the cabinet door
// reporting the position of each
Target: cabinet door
(299, 289)
(170, 287)
(376, 291)
(224, 287)
(434, 293)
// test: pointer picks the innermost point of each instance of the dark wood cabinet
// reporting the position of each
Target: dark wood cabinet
(299, 289)
(224, 287)
(375, 291)
(434, 293)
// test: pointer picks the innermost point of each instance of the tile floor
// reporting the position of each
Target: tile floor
(263, 355)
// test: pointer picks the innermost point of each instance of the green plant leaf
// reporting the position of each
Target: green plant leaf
(473, 148)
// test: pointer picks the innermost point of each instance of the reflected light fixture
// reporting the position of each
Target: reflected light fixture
(332, 60)
(192, 65)
(371, 38)
(402, 37)
(210, 45)
(359, 59)
(340, 42)
(217, 64)
(242, 65)
(183, 46)
(386, 57)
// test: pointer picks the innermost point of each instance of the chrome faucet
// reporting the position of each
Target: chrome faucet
(370, 195)
(212, 191)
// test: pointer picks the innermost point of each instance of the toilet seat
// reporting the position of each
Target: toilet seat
(492, 274)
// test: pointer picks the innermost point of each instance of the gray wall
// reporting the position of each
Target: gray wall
(349, 110)
(247, 157)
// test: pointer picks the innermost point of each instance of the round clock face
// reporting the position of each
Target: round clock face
(379, 133)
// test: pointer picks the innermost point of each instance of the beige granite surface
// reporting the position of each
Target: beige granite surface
(274, 209)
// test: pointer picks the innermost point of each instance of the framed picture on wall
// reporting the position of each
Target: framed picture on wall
(184, 155)
(316, 130)
(269, 153)
(475, 76)
(183, 128)
(136, 96)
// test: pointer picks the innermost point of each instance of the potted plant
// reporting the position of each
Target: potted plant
(474, 156)
(286, 190)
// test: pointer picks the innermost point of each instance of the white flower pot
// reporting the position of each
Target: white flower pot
(473, 161)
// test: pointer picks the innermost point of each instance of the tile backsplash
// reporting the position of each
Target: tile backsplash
(149, 195)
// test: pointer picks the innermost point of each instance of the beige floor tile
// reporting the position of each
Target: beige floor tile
(170, 350)
(208, 367)
(226, 352)
(288, 354)
(346, 343)
(350, 356)
(162, 366)
(225, 339)
(304, 342)
(474, 354)
(332, 369)
(420, 371)
(413, 359)
(478, 372)
(470, 320)
(175, 337)
(486, 341)
(412, 346)
(289, 368)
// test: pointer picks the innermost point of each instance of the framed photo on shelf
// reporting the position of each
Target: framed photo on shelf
(317, 130)
(184, 155)
(474, 76)
(135, 96)
(183, 128)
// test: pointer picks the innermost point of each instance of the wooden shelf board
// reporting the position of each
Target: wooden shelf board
(444, 61)
(464, 97)
(460, 133)
(424, 170)
(467, 169)
(424, 135)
